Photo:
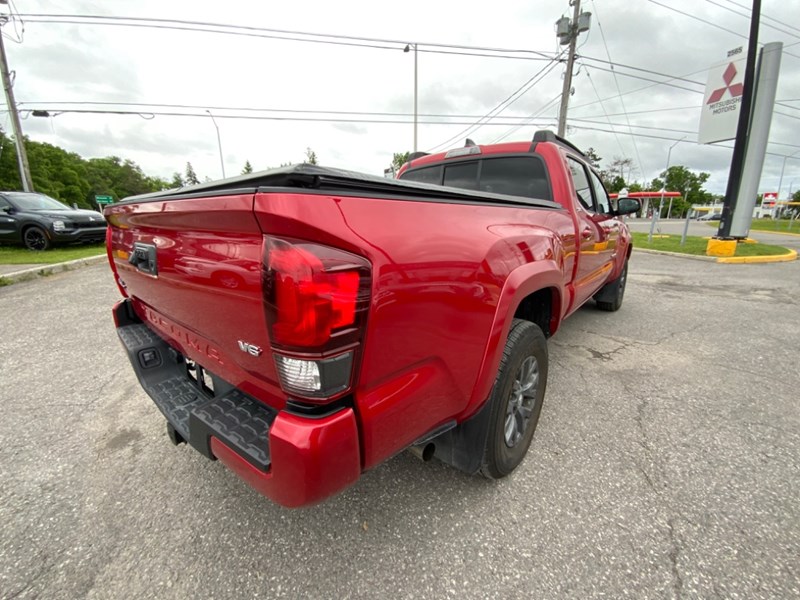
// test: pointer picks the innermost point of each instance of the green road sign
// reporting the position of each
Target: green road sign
(104, 199)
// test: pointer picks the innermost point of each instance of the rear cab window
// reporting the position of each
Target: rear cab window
(524, 176)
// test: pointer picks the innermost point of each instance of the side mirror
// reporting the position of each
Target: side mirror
(627, 206)
(7, 209)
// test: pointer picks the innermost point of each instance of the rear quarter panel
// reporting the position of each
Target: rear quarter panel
(439, 273)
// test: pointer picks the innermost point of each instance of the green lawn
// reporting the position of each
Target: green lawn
(697, 245)
(778, 225)
(16, 255)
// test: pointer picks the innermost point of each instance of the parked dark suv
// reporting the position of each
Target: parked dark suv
(38, 221)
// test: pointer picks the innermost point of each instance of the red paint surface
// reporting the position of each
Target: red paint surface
(311, 459)
(446, 279)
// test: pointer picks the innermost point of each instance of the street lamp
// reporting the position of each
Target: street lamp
(408, 49)
(783, 168)
(219, 143)
(663, 189)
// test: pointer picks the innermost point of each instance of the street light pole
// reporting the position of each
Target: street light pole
(783, 168)
(408, 49)
(663, 189)
(219, 143)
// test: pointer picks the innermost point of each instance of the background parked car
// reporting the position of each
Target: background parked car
(709, 216)
(37, 222)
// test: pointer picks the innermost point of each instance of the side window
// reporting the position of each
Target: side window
(4, 203)
(515, 176)
(600, 194)
(424, 175)
(581, 183)
(462, 175)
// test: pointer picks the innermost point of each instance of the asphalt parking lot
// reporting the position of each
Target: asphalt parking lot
(665, 466)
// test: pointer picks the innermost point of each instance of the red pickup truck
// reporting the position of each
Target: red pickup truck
(304, 324)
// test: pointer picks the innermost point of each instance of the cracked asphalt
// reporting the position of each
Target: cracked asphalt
(665, 465)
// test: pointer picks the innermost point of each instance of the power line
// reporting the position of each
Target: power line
(529, 119)
(150, 114)
(696, 18)
(619, 91)
(252, 109)
(602, 106)
(286, 34)
(638, 112)
(680, 87)
(665, 138)
(747, 16)
(763, 16)
(641, 89)
(643, 70)
(516, 95)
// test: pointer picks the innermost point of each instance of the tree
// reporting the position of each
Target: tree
(248, 168)
(399, 159)
(177, 180)
(796, 196)
(594, 160)
(680, 179)
(190, 177)
(311, 156)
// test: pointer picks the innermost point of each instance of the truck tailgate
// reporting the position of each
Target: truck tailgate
(192, 267)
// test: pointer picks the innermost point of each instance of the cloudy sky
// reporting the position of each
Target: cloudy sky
(649, 41)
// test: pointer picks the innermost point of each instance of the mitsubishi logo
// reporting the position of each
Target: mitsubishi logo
(736, 90)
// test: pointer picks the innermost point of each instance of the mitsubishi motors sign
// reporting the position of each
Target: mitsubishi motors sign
(722, 99)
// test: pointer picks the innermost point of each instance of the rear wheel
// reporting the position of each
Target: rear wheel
(36, 239)
(516, 399)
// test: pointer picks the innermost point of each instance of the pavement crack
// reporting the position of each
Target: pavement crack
(43, 570)
(674, 553)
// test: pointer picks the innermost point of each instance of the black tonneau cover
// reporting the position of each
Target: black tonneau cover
(324, 179)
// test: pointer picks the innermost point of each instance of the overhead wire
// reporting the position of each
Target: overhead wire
(516, 95)
(602, 106)
(529, 119)
(712, 24)
(287, 34)
(619, 90)
(256, 109)
(747, 16)
(150, 114)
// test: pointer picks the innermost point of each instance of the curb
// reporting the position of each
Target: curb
(676, 254)
(788, 257)
(44, 270)
(789, 233)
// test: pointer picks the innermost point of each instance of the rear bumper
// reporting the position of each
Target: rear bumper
(293, 460)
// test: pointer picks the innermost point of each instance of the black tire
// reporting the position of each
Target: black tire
(613, 292)
(514, 410)
(35, 238)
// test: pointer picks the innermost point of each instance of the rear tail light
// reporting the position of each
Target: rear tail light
(316, 300)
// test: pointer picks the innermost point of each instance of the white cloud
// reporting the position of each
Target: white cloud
(96, 63)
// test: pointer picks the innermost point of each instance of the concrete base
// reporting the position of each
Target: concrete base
(717, 247)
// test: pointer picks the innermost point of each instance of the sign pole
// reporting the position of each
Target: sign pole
(740, 146)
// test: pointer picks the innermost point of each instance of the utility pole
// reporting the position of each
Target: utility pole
(22, 156)
(567, 32)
